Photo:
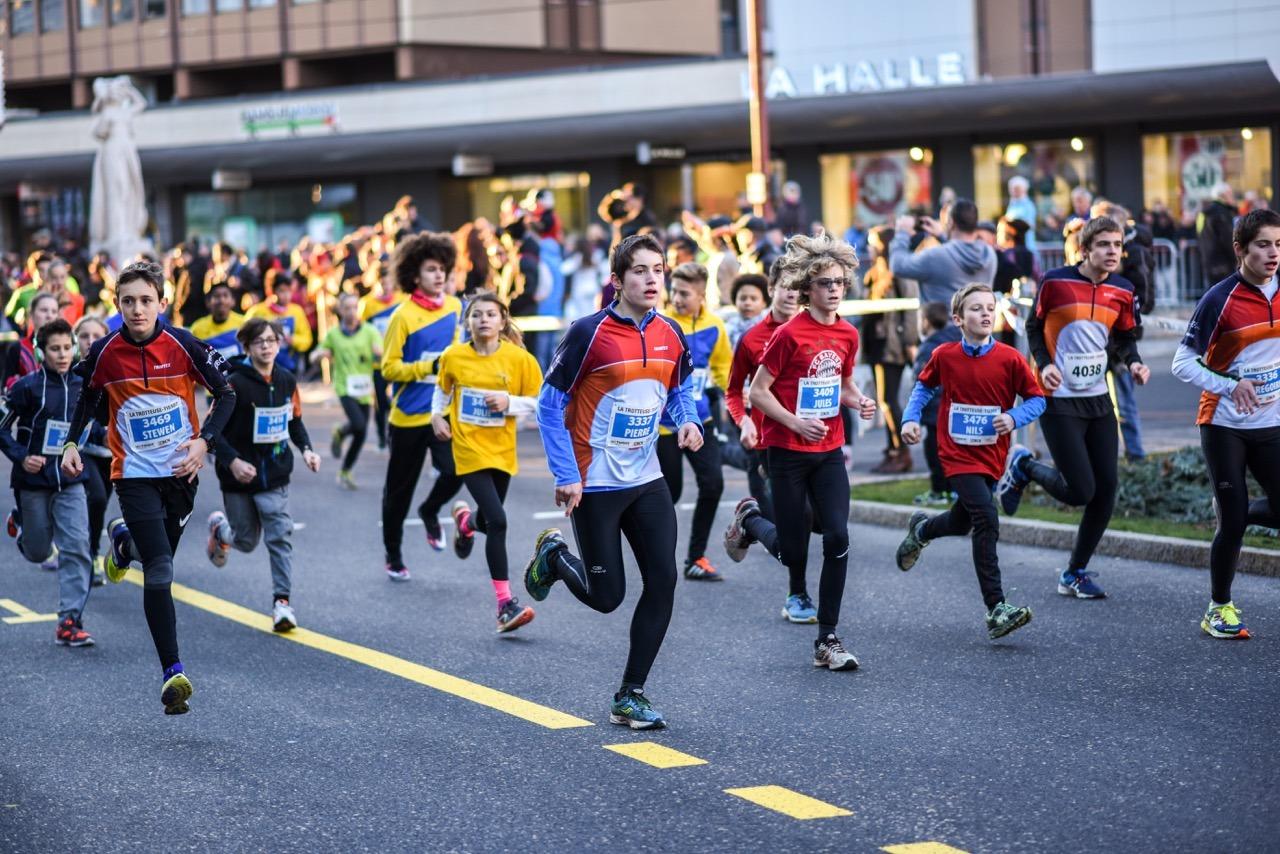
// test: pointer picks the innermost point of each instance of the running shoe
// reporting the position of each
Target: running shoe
(1005, 618)
(702, 570)
(1013, 481)
(800, 609)
(71, 633)
(1080, 584)
(346, 481)
(50, 564)
(912, 544)
(335, 442)
(117, 562)
(214, 547)
(175, 691)
(99, 571)
(435, 534)
(512, 615)
(736, 538)
(1224, 621)
(397, 571)
(282, 618)
(538, 574)
(933, 499)
(831, 654)
(11, 524)
(464, 537)
(632, 708)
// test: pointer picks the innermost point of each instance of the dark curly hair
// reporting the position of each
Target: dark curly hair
(417, 249)
(146, 271)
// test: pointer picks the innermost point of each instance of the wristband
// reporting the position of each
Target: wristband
(68, 445)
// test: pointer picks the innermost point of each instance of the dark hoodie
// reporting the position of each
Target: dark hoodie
(273, 461)
(945, 269)
(33, 401)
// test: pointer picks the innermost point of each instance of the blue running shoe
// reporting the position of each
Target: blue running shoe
(118, 556)
(538, 574)
(175, 692)
(1080, 584)
(800, 609)
(631, 708)
(1013, 481)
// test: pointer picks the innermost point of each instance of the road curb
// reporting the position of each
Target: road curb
(1054, 535)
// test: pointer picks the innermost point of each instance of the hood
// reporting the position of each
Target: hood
(971, 255)
(240, 364)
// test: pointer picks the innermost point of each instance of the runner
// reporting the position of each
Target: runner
(279, 305)
(936, 329)
(21, 360)
(805, 375)
(254, 463)
(376, 308)
(483, 385)
(218, 328)
(54, 511)
(1232, 351)
(613, 374)
(979, 379)
(1081, 313)
(708, 345)
(419, 331)
(97, 459)
(147, 372)
(355, 347)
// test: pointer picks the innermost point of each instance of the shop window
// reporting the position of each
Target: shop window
(874, 187)
(1052, 168)
(260, 218)
(261, 4)
(569, 188)
(22, 17)
(53, 15)
(228, 5)
(152, 9)
(195, 7)
(1179, 170)
(93, 13)
(122, 11)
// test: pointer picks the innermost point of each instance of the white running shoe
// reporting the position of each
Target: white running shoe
(282, 618)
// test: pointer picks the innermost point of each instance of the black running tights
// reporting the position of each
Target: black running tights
(1228, 452)
(974, 510)
(488, 488)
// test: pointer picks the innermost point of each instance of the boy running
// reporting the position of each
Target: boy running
(355, 347)
(218, 328)
(146, 373)
(376, 309)
(979, 379)
(279, 306)
(55, 514)
(482, 385)
(254, 463)
(612, 376)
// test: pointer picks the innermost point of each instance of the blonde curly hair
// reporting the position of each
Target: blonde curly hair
(805, 256)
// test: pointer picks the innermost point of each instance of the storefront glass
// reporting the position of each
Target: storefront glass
(571, 191)
(1052, 167)
(870, 188)
(1180, 169)
(260, 218)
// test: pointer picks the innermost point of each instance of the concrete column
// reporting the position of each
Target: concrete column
(953, 166)
(805, 169)
(1120, 166)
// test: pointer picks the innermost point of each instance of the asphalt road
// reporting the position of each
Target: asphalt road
(1102, 726)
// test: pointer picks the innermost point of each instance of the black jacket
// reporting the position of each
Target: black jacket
(274, 462)
(32, 402)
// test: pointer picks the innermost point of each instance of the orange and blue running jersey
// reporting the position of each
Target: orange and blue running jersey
(1232, 335)
(610, 381)
(708, 343)
(149, 391)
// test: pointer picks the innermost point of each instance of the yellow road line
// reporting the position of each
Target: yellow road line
(23, 614)
(462, 688)
(787, 802)
(922, 848)
(655, 754)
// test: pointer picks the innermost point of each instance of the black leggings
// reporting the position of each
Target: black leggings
(97, 493)
(937, 478)
(888, 383)
(357, 427)
(821, 479)
(488, 488)
(381, 407)
(646, 516)
(706, 471)
(1084, 451)
(409, 446)
(974, 510)
(1228, 452)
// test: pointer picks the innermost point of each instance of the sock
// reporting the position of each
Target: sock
(626, 689)
(172, 670)
(502, 589)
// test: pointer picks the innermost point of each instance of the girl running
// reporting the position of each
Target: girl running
(355, 347)
(97, 458)
(482, 384)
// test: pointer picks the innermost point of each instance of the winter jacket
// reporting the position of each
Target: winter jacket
(33, 402)
(887, 336)
(254, 394)
(1217, 254)
(945, 269)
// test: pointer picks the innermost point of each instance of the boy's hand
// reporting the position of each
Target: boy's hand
(911, 432)
(810, 429)
(71, 463)
(690, 436)
(32, 464)
(748, 435)
(867, 407)
(312, 459)
(1003, 423)
(1140, 373)
(242, 471)
(1050, 377)
(196, 450)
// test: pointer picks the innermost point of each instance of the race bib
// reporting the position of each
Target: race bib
(154, 428)
(633, 427)
(1266, 381)
(55, 436)
(699, 382)
(271, 424)
(818, 397)
(473, 410)
(973, 425)
(1083, 370)
(359, 385)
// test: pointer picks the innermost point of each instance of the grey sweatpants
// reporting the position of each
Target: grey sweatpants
(60, 517)
(265, 515)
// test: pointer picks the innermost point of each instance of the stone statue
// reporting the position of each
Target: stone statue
(118, 206)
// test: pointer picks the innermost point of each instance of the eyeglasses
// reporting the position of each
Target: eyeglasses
(264, 342)
(832, 284)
